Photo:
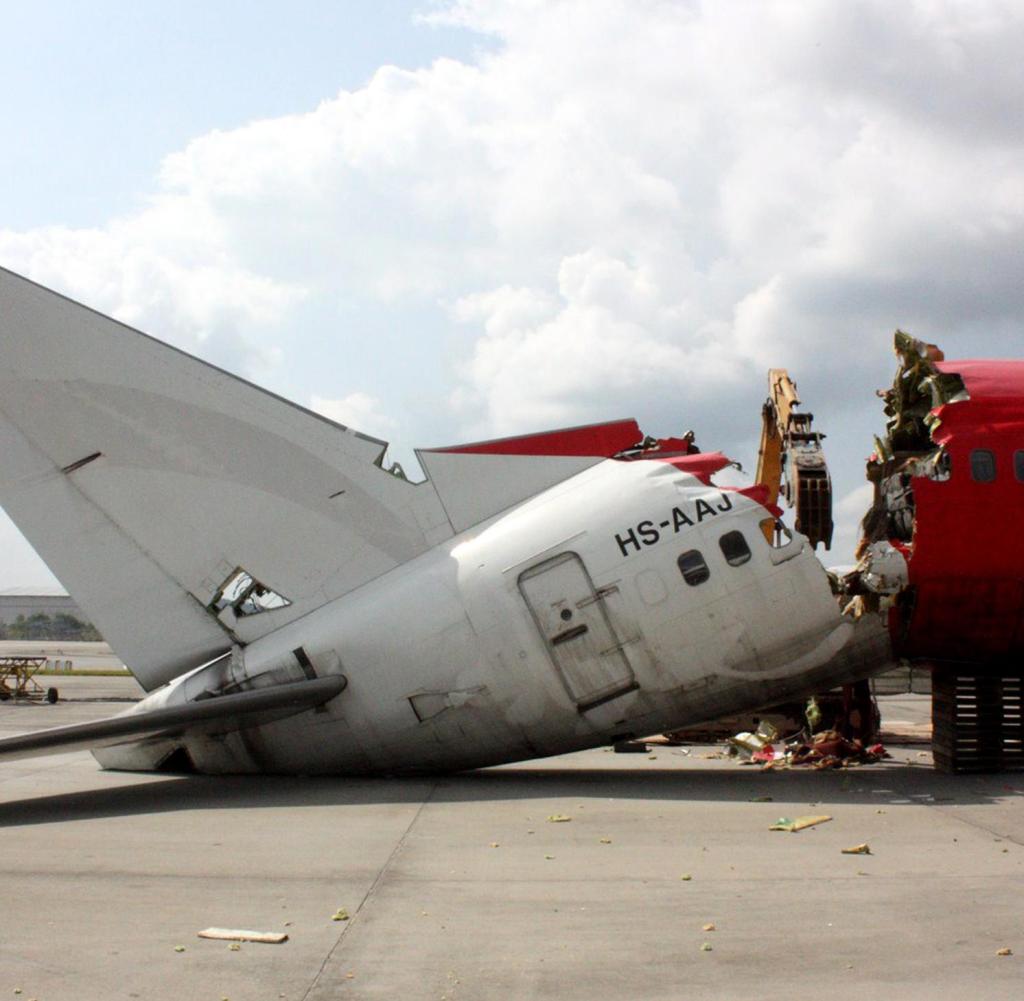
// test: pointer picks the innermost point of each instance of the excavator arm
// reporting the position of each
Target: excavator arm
(791, 461)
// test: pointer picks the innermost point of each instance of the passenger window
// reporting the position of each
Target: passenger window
(693, 568)
(1018, 465)
(983, 465)
(734, 548)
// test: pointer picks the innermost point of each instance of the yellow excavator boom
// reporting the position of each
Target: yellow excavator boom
(791, 461)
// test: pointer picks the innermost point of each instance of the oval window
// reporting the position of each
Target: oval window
(693, 568)
(734, 548)
(983, 465)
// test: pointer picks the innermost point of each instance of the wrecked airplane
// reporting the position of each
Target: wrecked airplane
(294, 607)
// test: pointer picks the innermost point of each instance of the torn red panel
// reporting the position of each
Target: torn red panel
(989, 379)
(996, 404)
(603, 440)
(703, 465)
(759, 494)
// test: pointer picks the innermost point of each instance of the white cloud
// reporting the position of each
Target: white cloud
(702, 182)
(605, 341)
(621, 205)
(357, 410)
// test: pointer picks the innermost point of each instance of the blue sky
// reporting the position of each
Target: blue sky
(482, 217)
(98, 93)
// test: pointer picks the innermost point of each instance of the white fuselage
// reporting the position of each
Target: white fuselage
(563, 623)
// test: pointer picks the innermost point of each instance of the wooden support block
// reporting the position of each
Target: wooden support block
(241, 935)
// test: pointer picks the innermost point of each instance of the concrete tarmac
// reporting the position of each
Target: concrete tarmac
(459, 888)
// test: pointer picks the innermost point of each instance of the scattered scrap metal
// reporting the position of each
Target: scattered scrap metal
(799, 823)
(864, 849)
(822, 750)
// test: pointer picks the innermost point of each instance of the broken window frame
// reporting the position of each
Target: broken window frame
(735, 555)
(694, 573)
(246, 596)
(979, 473)
(775, 533)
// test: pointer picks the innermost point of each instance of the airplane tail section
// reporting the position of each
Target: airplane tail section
(188, 511)
(185, 509)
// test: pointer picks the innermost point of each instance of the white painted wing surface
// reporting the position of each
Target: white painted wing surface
(145, 477)
(219, 715)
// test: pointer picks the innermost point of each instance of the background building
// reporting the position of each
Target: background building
(29, 601)
(42, 613)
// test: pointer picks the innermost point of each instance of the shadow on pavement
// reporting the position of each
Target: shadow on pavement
(891, 784)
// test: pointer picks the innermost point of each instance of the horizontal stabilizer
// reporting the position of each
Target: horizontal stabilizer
(220, 714)
(479, 480)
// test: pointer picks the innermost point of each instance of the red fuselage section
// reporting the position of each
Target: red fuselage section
(966, 561)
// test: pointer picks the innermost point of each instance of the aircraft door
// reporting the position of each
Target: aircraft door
(574, 623)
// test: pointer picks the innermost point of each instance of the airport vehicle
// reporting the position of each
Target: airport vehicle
(295, 606)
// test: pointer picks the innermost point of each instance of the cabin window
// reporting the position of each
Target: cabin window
(1018, 465)
(983, 465)
(693, 568)
(734, 548)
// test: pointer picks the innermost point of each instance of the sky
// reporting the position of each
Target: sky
(439, 222)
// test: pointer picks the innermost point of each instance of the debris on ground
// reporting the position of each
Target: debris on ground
(755, 746)
(234, 947)
(1004, 952)
(243, 935)
(799, 823)
(494, 844)
(705, 947)
(179, 948)
(828, 749)
(604, 841)
(559, 818)
(864, 849)
(813, 714)
(686, 877)
(709, 926)
(340, 915)
(762, 799)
